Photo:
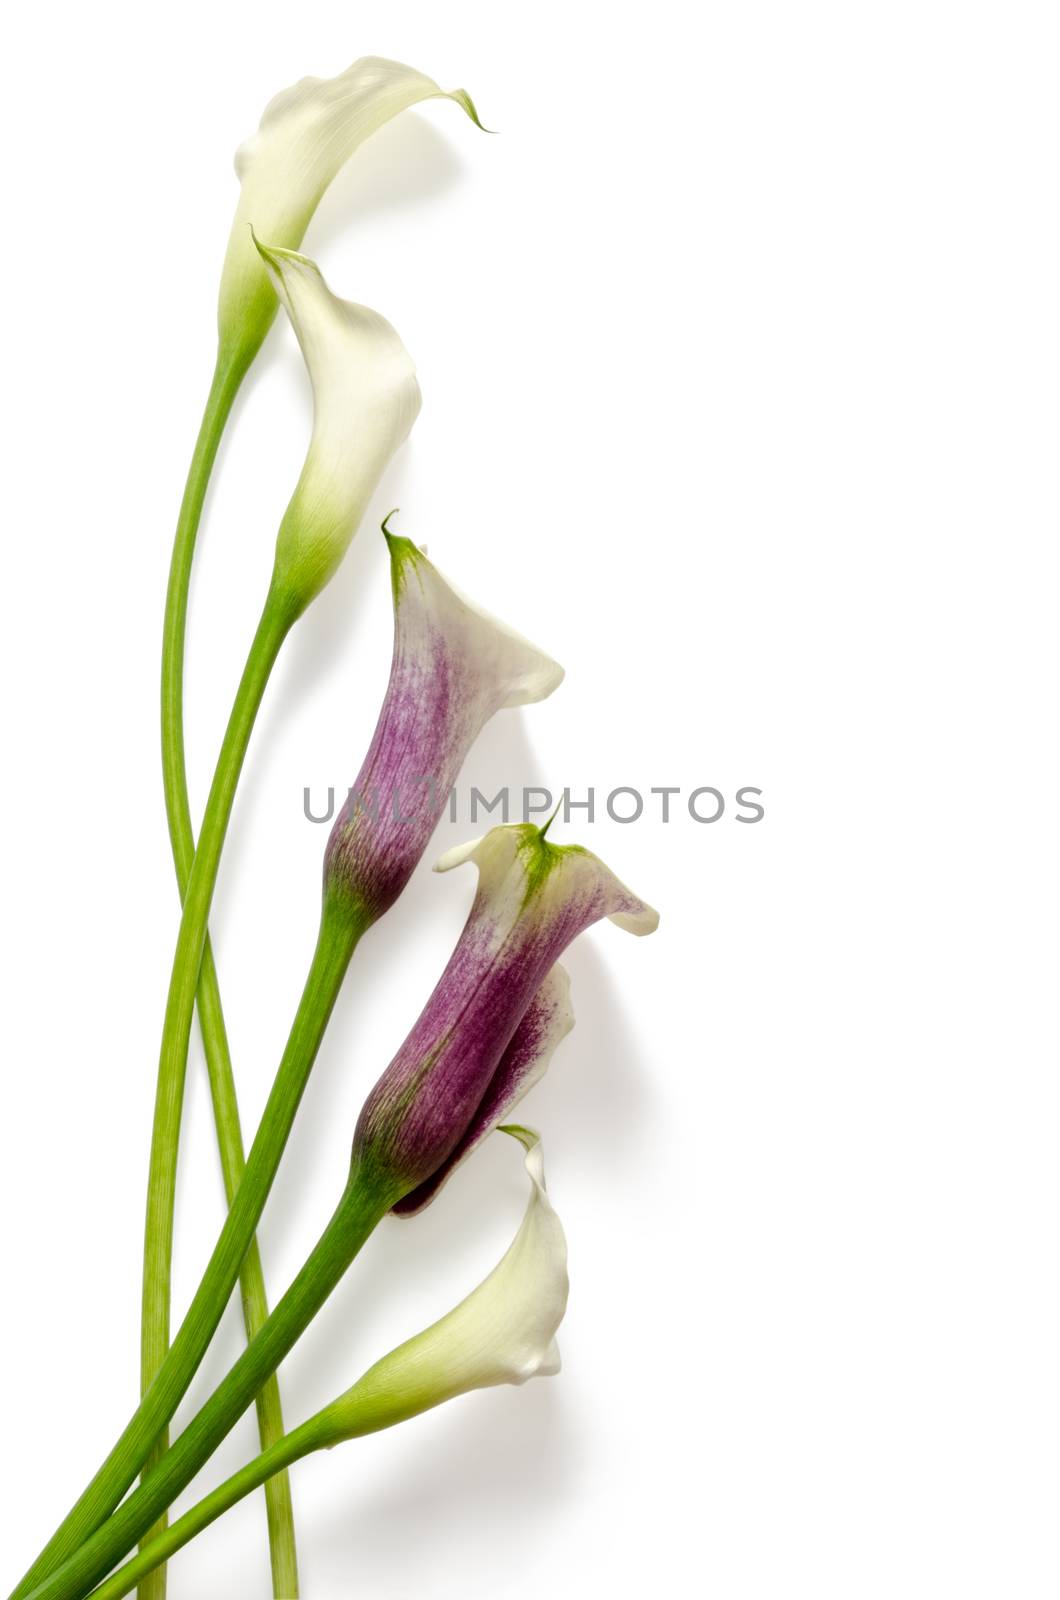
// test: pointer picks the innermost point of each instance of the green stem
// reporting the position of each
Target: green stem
(265, 1469)
(279, 1509)
(362, 1207)
(341, 928)
(227, 378)
(184, 981)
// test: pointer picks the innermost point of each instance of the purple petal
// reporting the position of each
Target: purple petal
(546, 1023)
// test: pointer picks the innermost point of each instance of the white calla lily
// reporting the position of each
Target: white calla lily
(365, 400)
(307, 134)
(504, 1332)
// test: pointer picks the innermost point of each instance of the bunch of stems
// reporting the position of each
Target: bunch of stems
(167, 1369)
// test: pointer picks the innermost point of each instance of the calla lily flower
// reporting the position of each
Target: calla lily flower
(504, 1332)
(453, 666)
(533, 898)
(307, 134)
(365, 400)
(545, 1024)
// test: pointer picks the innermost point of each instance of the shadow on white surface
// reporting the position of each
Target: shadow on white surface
(409, 161)
(505, 1457)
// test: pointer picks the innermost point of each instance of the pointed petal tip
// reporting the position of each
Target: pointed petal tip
(523, 673)
(400, 546)
(276, 256)
(464, 100)
(397, 544)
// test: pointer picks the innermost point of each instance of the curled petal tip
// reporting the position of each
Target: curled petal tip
(529, 1138)
(463, 99)
(275, 255)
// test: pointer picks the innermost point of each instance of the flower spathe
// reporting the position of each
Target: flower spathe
(306, 135)
(453, 667)
(533, 898)
(545, 1024)
(365, 400)
(504, 1332)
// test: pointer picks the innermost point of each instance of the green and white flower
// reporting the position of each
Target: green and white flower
(307, 134)
(365, 400)
(504, 1332)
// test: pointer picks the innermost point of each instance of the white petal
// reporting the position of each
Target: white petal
(518, 673)
(365, 400)
(504, 1332)
(522, 873)
(308, 132)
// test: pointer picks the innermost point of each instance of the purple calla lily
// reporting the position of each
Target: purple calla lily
(546, 1023)
(453, 667)
(440, 1093)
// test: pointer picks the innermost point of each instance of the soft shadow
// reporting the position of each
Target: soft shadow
(406, 163)
(505, 1455)
(597, 1087)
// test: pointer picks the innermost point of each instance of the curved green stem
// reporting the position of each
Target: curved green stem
(228, 376)
(184, 981)
(279, 1508)
(341, 928)
(264, 1469)
(362, 1207)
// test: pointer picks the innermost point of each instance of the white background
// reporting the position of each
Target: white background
(739, 351)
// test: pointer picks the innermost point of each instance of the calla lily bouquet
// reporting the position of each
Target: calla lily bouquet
(500, 1008)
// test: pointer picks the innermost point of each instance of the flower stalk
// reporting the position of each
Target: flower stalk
(241, 330)
(361, 1208)
(431, 625)
(503, 1332)
(366, 399)
(338, 938)
(224, 388)
(534, 897)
